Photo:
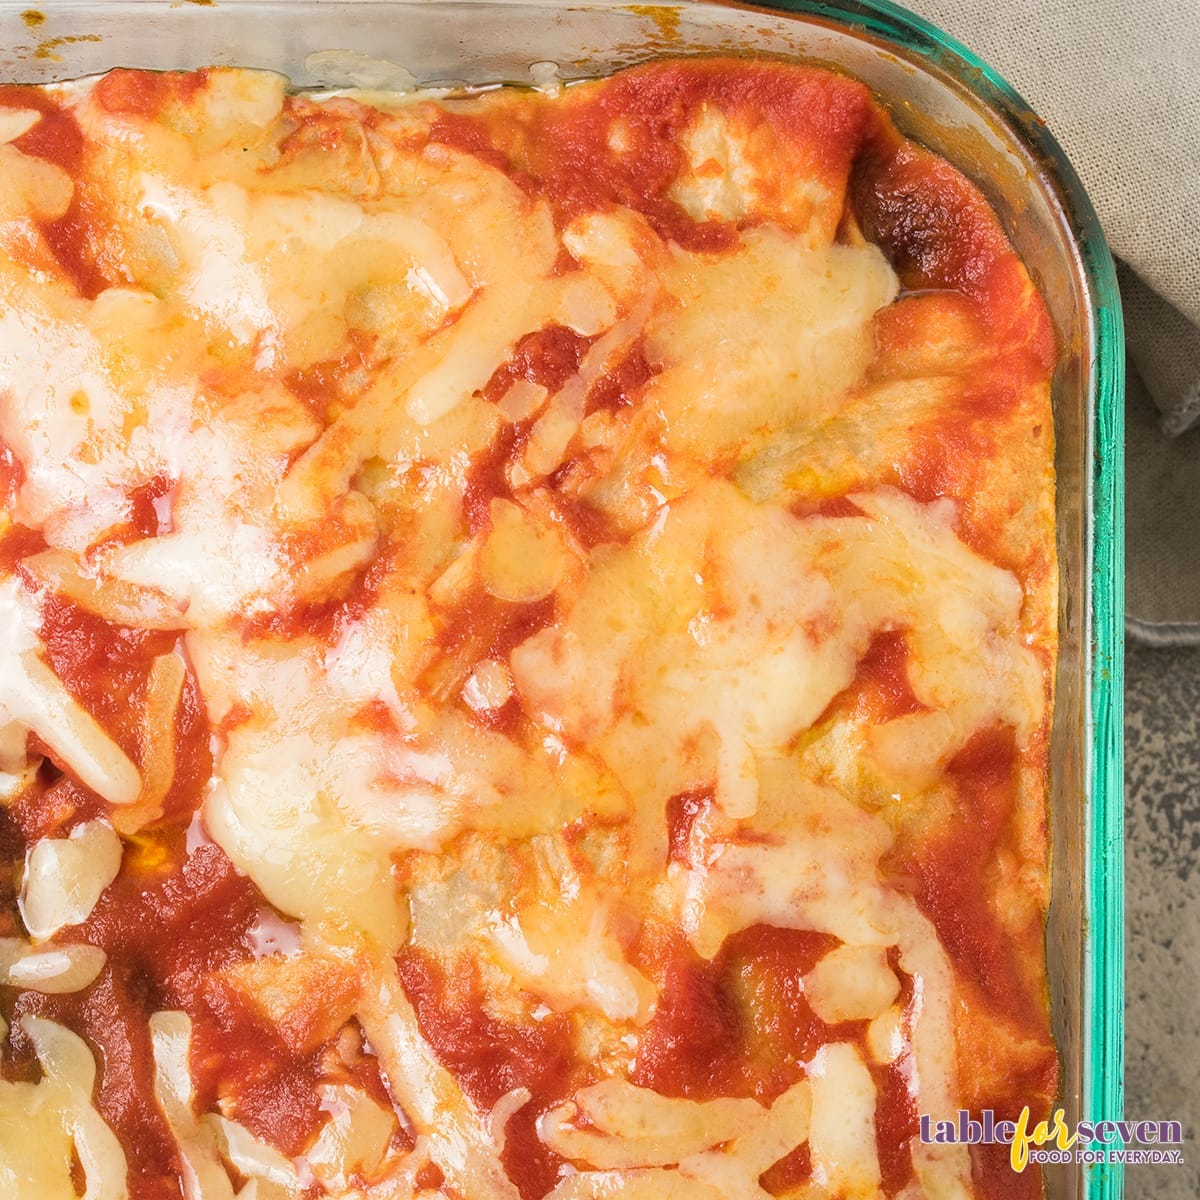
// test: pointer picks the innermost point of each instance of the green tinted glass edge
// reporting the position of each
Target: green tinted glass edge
(1104, 947)
(1104, 937)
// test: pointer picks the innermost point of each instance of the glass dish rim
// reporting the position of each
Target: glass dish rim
(918, 41)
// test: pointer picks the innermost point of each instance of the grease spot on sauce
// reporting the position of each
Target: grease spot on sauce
(49, 49)
(665, 20)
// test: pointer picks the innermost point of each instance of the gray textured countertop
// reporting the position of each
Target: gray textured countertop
(1162, 866)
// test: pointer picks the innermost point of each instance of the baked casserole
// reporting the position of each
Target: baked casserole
(527, 628)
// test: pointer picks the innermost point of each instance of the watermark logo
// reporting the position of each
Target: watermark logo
(1057, 1141)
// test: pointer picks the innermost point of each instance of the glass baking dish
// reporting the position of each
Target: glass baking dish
(944, 97)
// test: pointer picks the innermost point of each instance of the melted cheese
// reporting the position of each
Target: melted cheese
(646, 1145)
(34, 698)
(215, 277)
(59, 401)
(17, 121)
(65, 877)
(635, 1127)
(568, 956)
(42, 1125)
(727, 378)
(843, 1127)
(460, 1140)
(355, 1140)
(204, 1178)
(851, 983)
(709, 620)
(35, 1148)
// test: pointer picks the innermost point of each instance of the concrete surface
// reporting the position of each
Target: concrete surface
(1162, 866)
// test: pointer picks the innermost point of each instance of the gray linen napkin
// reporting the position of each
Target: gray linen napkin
(1119, 86)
